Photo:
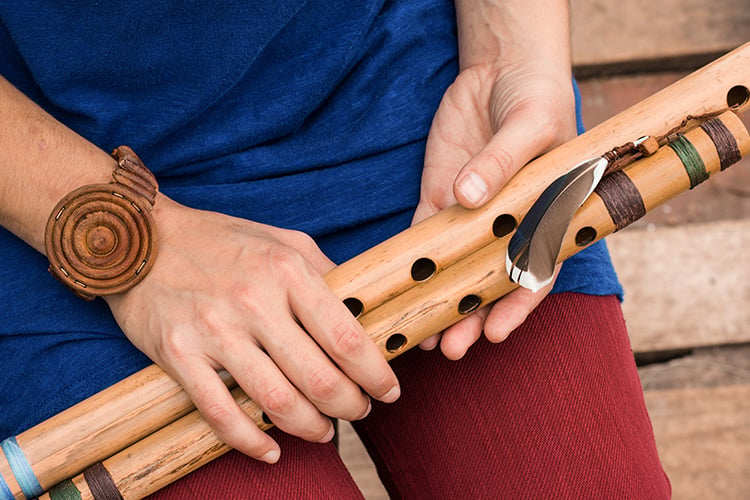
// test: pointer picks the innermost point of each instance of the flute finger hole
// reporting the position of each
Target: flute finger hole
(468, 304)
(504, 225)
(355, 306)
(423, 269)
(265, 419)
(585, 236)
(738, 96)
(395, 342)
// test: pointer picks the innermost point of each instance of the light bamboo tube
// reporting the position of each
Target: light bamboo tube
(384, 271)
(163, 457)
(188, 443)
(432, 306)
(100, 426)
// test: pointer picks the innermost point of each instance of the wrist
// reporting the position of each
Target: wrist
(101, 239)
(514, 33)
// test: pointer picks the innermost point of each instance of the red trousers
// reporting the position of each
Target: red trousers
(556, 411)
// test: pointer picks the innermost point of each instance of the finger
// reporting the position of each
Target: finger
(509, 312)
(282, 402)
(424, 210)
(320, 381)
(214, 401)
(430, 343)
(331, 326)
(458, 338)
(306, 245)
(524, 134)
(341, 336)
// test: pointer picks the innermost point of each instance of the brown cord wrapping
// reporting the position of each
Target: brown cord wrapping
(726, 144)
(100, 483)
(622, 156)
(622, 199)
(101, 238)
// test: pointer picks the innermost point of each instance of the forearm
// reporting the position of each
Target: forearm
(513, 31)
(41, 161)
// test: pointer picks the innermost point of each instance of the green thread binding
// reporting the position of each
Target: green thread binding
(65, 491)
(691, 160)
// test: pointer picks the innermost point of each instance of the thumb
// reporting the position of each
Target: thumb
(522, 136)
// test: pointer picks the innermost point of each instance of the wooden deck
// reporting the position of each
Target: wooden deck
(686, 266)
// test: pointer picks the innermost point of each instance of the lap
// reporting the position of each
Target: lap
(305, 470)
(556, 410)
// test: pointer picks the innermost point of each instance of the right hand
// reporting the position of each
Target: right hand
(227, 293)
(493, 120)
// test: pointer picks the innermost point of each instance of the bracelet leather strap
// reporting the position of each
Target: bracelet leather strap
(101, 239)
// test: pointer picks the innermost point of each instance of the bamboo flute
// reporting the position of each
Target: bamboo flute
(188, 443)
(384, 273)
(86, 433)
(480, 278)
(163, 457)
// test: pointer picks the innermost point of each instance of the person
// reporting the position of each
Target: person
(287, 136)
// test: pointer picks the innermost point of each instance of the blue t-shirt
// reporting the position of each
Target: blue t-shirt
(309, 115)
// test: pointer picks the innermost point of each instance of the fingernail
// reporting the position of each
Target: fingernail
(391, 395)
(473, 188)
(271, 457)
(329, 435)
(368, 410)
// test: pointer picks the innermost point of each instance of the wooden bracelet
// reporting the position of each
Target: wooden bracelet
(101, 239)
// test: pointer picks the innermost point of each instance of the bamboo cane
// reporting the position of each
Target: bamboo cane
(404, 322)
(385, 271)
(100, 426)
(188, 443)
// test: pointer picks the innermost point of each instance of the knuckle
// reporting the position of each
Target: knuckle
(219, 414)
(212, 321)
(502, 163)
(173, 345)
(548, 130)
(302, 240)
(278, 401)
(248, 298)
(347, 340)
(285, 261)
(549, 125)
(323, 384)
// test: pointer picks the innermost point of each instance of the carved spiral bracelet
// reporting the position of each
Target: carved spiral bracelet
(101, 239)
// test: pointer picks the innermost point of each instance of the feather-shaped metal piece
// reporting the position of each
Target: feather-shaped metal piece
(534, 248)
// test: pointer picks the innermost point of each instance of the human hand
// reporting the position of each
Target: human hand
(227, 293)
(490, 123)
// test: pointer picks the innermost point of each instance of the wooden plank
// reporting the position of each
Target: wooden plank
(606, 33)
(703, 367)
(685, 286)
(602, 98)
(703, 436)
(358, 463)
(683, 283)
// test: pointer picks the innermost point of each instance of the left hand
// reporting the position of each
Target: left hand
(490, 123)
